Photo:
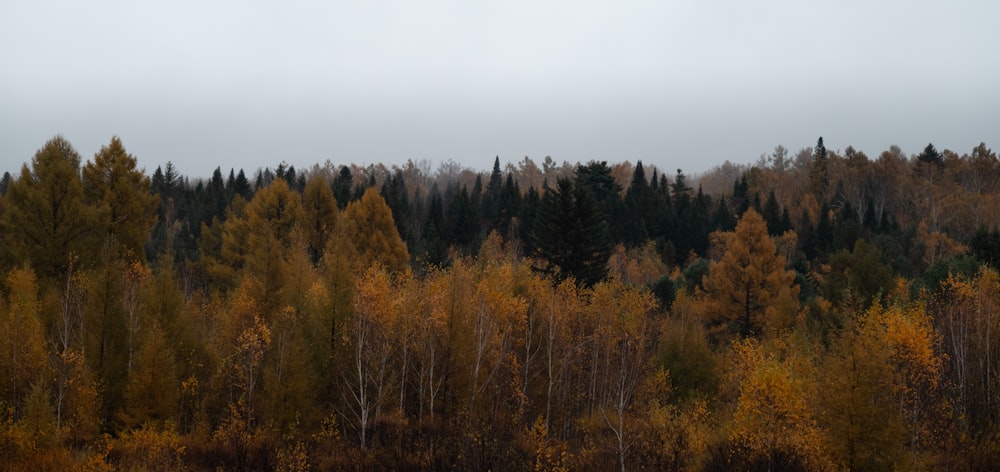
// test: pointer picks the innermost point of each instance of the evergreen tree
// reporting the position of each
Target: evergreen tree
(435, 247)
(395, 194)
(772, 215)
(931, 156)
(528, 216)
(508, 207)
(819, 172)
(571, 234)
(463, 220)
(640, 208)
(490, 205)
(597, 178)
(4, 183)
(241, 186)
(723, 219)
(342, 184)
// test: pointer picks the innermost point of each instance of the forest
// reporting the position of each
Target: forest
(816, 310)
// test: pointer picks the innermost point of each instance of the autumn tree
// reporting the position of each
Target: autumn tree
(622, 335)
(882, 401)
(748, 290)
(272, 218)
(224, 246)
(369, 226)
(45, 218)
(105, 332)
(153, 391)
(366, 377)
(22, 341)
(126, 211)
(966, 314)
(773, 425)
(320, 214)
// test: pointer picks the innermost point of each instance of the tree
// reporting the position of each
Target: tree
(858, 275)
(623, 336)
(641, 208)
(22, 341)
(126, 211)
(45, 216)
(273, 219)
(152, 391)
(366, 378)
(749, 289)
(881, 402)
(571, 233)
(598, 179)
(819, 172)
(369, 226)
(343, 182)
(931, 156)
(773, 425)
(105, 332)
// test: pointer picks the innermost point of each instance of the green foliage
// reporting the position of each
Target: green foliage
(857, 276)
(571, 234)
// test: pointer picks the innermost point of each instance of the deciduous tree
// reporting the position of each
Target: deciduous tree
(119, 193)
(748, 290)
(45, 216)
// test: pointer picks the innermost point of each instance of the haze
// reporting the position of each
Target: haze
(677, 84)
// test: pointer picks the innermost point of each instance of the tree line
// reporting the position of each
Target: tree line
(826, 311)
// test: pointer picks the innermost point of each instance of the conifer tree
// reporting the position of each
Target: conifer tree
(45, 217)
(749, 290)
(126, 211)
(321, 214)
(571, 233)
(369, 226)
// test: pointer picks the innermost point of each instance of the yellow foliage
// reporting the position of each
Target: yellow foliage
(773, 418)
(639, 266)
(149, 449)
(748, 290)
(369, 227)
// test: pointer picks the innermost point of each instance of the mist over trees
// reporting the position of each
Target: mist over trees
(818, 310)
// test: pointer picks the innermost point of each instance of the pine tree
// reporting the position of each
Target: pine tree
(571, 234)
(819, 173)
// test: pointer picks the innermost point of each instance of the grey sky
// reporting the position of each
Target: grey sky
(684, 84)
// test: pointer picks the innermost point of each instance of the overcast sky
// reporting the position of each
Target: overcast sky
(678, 84)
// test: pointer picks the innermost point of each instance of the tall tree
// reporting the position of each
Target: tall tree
(321, 213)
(22, 341)
(273, 220)
(640, 208)
(369, 226)
(819, 172)
(598, 180)
(748, 288)
(45, 216)
(571, 233)
(126, 211)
